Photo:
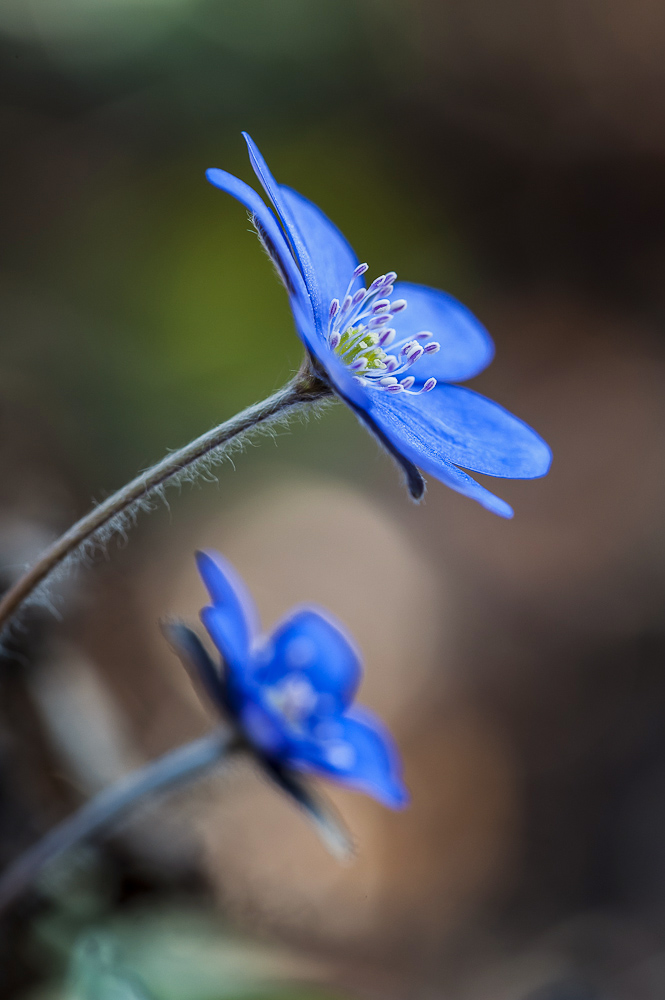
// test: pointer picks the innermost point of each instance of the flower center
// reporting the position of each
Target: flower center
(359, 333)
(293, 698)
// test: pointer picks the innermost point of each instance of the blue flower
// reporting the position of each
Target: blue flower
(363, 341)
(291, 692)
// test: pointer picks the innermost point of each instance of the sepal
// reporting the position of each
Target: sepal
(324, 817)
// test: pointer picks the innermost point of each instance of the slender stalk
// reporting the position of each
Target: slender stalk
(304, 389)
(108, 806)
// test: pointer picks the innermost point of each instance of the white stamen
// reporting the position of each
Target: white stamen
(361, 324)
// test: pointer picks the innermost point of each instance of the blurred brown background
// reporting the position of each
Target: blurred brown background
(510, 152)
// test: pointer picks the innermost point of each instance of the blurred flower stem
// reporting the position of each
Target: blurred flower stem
(177, 767)
(114, 514)
(174, 768)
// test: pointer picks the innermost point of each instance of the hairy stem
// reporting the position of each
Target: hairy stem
(108, 806)
(303, 390)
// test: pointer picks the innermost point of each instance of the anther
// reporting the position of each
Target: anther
(334, 341)
(408, 382)
(423, 335)
(378, 322)
(334, 308)
(432, 348)
(359, 296)
(386, 338)
(415, 355)
(380, 304)
(361, 268)
(398, 306)
(359, 365)
(429, 385)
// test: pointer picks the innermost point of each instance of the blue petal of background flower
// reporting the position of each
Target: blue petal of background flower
(292, 691)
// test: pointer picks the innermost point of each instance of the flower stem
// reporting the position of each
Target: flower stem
(172, 769)
(303, 390)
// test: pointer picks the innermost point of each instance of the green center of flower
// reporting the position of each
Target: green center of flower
(359, 342)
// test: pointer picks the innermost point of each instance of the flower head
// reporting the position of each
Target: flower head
(291, 692)
(390, 350)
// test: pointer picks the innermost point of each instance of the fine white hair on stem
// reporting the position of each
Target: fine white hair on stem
(119, 512)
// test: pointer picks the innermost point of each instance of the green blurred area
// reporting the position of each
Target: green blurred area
(88, 948)
(146, 310)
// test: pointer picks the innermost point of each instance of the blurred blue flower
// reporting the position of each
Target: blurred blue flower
(363, 341)
(291, 692)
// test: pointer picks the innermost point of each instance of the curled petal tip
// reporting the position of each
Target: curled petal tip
(416, 484)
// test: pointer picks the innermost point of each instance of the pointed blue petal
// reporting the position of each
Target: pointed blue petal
(330, 253)
(422, 447)
(310, 644)
(357, 751)
(291, 229)
(231, 620)
(299, 296)
(469, 430)
(325, 256)
(466, 346)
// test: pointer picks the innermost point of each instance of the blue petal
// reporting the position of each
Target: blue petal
(325, 256)
(466, 346)
(265, 729)
(357, 751)
(410, 448)
(470, 430)
(301, 303)
(452, 424)
(291, 230)
(309, 643)
(330, 253)
(232, 620)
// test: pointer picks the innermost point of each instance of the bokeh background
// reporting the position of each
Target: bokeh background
(511, 152)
